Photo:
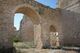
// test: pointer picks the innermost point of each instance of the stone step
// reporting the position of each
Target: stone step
(46, 51)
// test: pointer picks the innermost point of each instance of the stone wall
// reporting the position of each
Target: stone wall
(50, 18)
(70, 11)
(27, 30)
(72, 5)
(70, 27)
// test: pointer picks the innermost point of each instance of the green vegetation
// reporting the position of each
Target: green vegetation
(16, 39)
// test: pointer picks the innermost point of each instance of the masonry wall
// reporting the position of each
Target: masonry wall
(7, 11)
(50, 18)
(72, 5)
(26, 30)
(70, 11)
(66, 23)
(70, 27)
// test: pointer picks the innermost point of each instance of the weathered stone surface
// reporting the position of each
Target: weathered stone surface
(46, 51)
(65, 19)
(27, 30)
(72, 5)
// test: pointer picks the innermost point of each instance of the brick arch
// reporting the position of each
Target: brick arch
(35, 18)
(30, 12)
(52, 28)
(55, 27)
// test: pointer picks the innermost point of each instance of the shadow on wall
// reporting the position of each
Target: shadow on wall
(70, 28)
(7, 50)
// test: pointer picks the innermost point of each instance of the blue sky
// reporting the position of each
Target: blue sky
(18, 16)
(51, 3)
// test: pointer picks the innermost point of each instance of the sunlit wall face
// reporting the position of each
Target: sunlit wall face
(17, 19)
(50, 3)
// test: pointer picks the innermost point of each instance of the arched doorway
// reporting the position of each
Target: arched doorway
(54, 38)
(35, 18)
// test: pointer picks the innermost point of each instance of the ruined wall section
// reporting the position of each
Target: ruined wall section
(70, 26)
(6, 27)
(72, 5)
(66, 20)
(7, 12)
(50, 17)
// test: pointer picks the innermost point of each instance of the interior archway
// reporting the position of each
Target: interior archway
(54, 39)
(34, 16)
(52, 28)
